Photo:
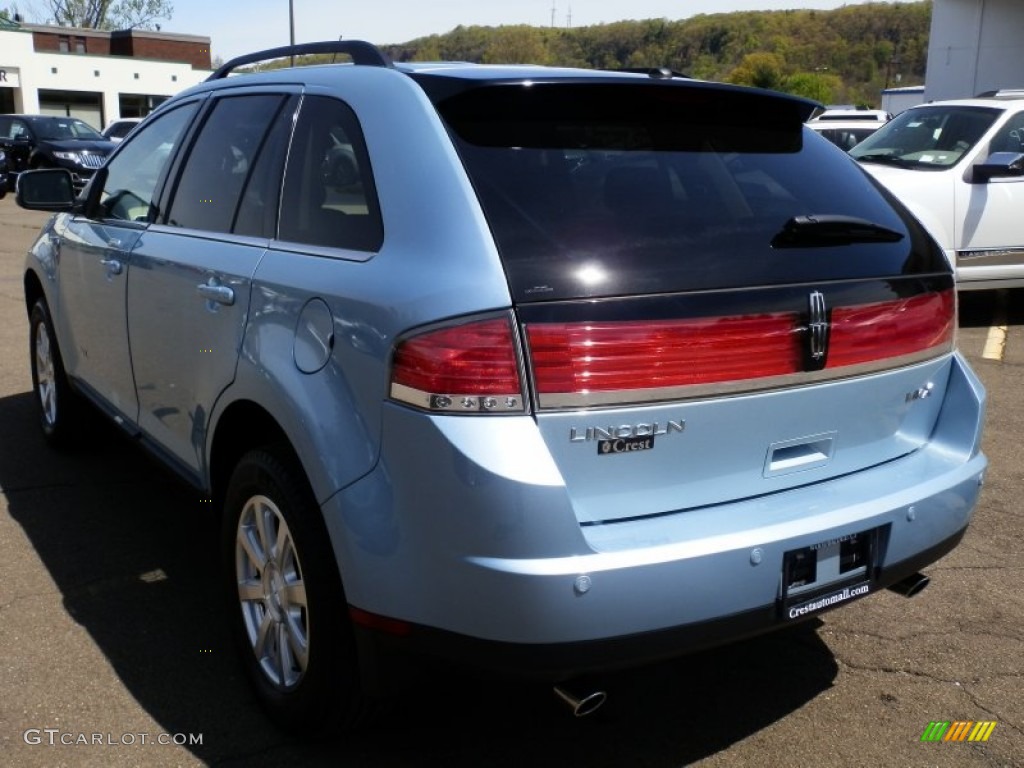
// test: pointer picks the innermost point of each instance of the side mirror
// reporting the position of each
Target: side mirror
(999, 165)
(49, 189)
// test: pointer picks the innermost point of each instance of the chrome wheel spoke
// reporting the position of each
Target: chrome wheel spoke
(297, 644)
(296, 593)
(257, 559)
(251, 590)
(263, 634)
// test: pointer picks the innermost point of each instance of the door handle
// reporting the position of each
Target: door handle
(221, 294)
(114, 267)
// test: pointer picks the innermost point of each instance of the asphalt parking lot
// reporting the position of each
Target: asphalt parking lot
(112, 641)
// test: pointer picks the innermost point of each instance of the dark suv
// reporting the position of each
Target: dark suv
(42, 141)
(542, 370)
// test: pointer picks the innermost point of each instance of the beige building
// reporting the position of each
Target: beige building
(95, 75)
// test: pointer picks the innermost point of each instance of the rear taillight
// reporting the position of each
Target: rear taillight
(888, 330)
(606, 363)
(467, 368)
(592, 358)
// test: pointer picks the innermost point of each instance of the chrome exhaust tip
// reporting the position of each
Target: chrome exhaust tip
(581, 704)
(911, 585)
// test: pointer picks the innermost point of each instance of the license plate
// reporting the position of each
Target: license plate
(831, 572)
(827, 600)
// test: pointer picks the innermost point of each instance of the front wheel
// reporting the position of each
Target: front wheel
(58, 406)
(288, 609)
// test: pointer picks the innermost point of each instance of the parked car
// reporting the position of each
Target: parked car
(3, 174)
(848, 127)
(118, 129)
(959, 166)
(42, 141)
(544, 371)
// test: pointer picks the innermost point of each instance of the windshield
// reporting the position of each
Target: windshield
(62, 129)
(927, 138)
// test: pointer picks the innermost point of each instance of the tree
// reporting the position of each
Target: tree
(761, 70)
(110, 14)
(813, 85)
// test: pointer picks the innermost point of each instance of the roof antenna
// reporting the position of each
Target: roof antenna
(334, 56)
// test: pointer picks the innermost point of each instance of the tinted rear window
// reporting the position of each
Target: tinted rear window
(610, 189)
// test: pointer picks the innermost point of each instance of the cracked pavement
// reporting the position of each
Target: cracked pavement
(110, 626)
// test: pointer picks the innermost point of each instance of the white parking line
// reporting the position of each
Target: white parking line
(995, 342)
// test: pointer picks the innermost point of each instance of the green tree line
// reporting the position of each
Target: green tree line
(847, 55)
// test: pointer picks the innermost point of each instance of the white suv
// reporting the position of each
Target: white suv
(959, 167)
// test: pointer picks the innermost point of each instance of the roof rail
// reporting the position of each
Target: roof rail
(1002, 93)
(657, 73)
(362, 53)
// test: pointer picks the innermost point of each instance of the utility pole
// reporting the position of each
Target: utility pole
(553, 14)
(291, 26)
(568, 18)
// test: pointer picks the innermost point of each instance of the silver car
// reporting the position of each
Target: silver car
(543, 370)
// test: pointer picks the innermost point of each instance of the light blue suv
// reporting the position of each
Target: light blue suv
(543, 370)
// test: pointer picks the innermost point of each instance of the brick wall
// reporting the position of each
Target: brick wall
(96, 43)
(145, 45)
(140, 43)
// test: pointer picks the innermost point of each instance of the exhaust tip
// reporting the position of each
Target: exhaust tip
(911, 585)
(581, 704)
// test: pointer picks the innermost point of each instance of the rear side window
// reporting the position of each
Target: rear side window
(597, 189)
(329, 196)
(221, 163)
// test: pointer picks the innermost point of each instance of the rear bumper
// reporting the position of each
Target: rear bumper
(560, 661)
(482, 559)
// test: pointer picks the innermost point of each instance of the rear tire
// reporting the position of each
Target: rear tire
(59, 407)
(287, 607)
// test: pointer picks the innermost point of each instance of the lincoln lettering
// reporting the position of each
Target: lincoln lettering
(577, 435)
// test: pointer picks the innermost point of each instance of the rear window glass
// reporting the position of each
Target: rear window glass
(609, 189)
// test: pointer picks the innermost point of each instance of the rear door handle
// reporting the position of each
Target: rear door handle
(221, 294)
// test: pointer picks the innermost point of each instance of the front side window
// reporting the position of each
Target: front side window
(1010, 137)
(329, 196)
(927, 138)
(133, 174)
(222, 161)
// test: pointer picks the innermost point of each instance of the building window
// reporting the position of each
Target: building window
(79, 45)
(64, 43)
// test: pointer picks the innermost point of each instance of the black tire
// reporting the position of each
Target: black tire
(58, 406)
(311, 693)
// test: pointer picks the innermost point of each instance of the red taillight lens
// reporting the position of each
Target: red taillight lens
(891, 329)
(581, 364)
(581, 358)
(463, 368)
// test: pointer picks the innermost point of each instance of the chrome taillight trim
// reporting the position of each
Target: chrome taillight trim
(513, 402)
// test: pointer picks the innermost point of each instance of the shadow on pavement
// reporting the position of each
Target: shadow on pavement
(133, 554)
(979, 309)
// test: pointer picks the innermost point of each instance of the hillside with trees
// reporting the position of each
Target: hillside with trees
(847, 55)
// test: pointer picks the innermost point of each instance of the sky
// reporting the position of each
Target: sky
(236, 27)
